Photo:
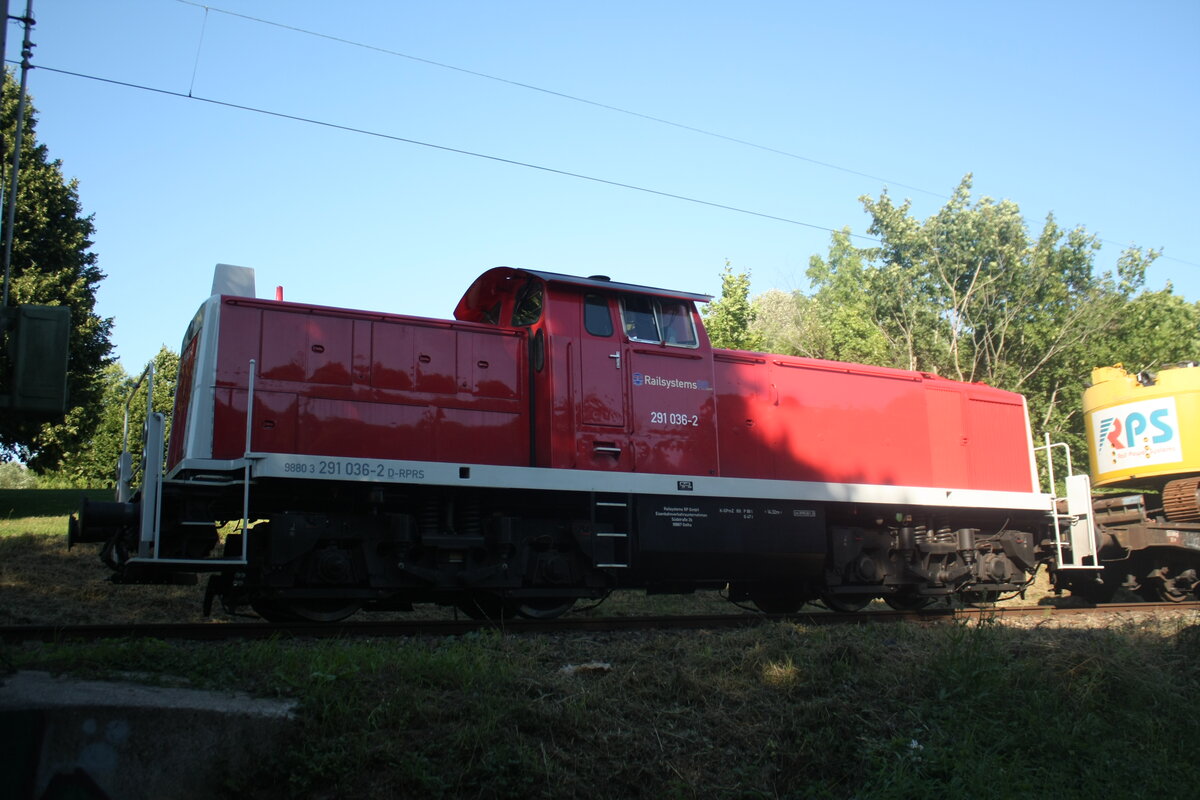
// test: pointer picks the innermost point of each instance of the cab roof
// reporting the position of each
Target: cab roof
(499, 281)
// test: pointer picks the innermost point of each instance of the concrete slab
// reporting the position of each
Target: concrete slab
(127, 740)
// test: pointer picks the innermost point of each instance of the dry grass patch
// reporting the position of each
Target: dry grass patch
(43, 583)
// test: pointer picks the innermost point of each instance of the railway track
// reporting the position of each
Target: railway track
(212, 631)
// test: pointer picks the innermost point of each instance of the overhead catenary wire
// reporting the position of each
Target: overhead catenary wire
(607, 107)
(448, 149)
(199, 51)
(562, 95)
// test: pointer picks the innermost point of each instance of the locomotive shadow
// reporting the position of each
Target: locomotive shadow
(1075, 601)
(44, 583)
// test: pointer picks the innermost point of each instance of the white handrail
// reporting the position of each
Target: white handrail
(246, 456)
(1082, 532)
(151, 509)
(125, 460)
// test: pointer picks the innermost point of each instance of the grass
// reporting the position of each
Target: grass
(778, 711)
(42, 582)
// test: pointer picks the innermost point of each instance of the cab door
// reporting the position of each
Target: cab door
(670, 383)
(602, 436)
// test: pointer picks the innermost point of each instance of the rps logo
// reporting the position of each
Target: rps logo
(1128, 433)
(1142, 433)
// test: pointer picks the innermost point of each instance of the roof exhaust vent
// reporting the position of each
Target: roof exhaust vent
(233, 280)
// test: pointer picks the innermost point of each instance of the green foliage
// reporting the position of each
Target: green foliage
(785, 322)
(729, 318)
(52, 264)
(95, 464)
(1156, 329)
(843, 311)
(971, 295)
(14, 475)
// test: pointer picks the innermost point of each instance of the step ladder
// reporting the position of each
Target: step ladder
(612, 519)
(1076, 544)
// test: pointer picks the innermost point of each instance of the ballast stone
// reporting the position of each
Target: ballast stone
(125, 740)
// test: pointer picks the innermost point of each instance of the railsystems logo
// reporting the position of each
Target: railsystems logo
(641, 379)
(1139, 433)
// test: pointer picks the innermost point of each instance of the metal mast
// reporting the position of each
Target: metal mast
(26, 52)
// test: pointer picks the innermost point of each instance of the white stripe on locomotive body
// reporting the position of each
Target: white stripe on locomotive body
(198, 429)
(454, 475)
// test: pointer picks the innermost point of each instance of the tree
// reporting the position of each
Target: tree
(52, 264)
(95, 465)
(969, 294)
(786, 322)
(728, 319)
(15, 475)
(843, 316)
(1157, 329)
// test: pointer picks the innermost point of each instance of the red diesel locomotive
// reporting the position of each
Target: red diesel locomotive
(560, 438)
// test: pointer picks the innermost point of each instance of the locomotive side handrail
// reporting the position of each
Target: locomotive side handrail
(246, 456)
(665, 352)
(153, 443)
(151, 508)
(152, 466)
(125, 461)
(1081, 529)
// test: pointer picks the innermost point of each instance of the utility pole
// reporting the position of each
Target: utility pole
(3, 29)
(3, 53)
(34, 339)
(26, 53)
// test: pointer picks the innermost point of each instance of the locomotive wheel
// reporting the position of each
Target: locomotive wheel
(544, 607)
(907, 601)
(846, 603)
(304, 610)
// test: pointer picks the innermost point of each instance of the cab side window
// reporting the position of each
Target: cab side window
(528, 308)
(677, 326)
(649, 319)
(640, 324)
(492, 315)
(596, 317)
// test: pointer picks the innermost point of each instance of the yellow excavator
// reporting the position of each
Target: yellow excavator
(1143, 434)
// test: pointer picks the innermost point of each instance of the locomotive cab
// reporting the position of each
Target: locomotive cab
(621, 376)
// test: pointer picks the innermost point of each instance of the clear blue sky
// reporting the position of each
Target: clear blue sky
(1085, 109)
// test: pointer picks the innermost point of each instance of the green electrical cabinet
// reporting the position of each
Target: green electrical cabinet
(35, 379)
